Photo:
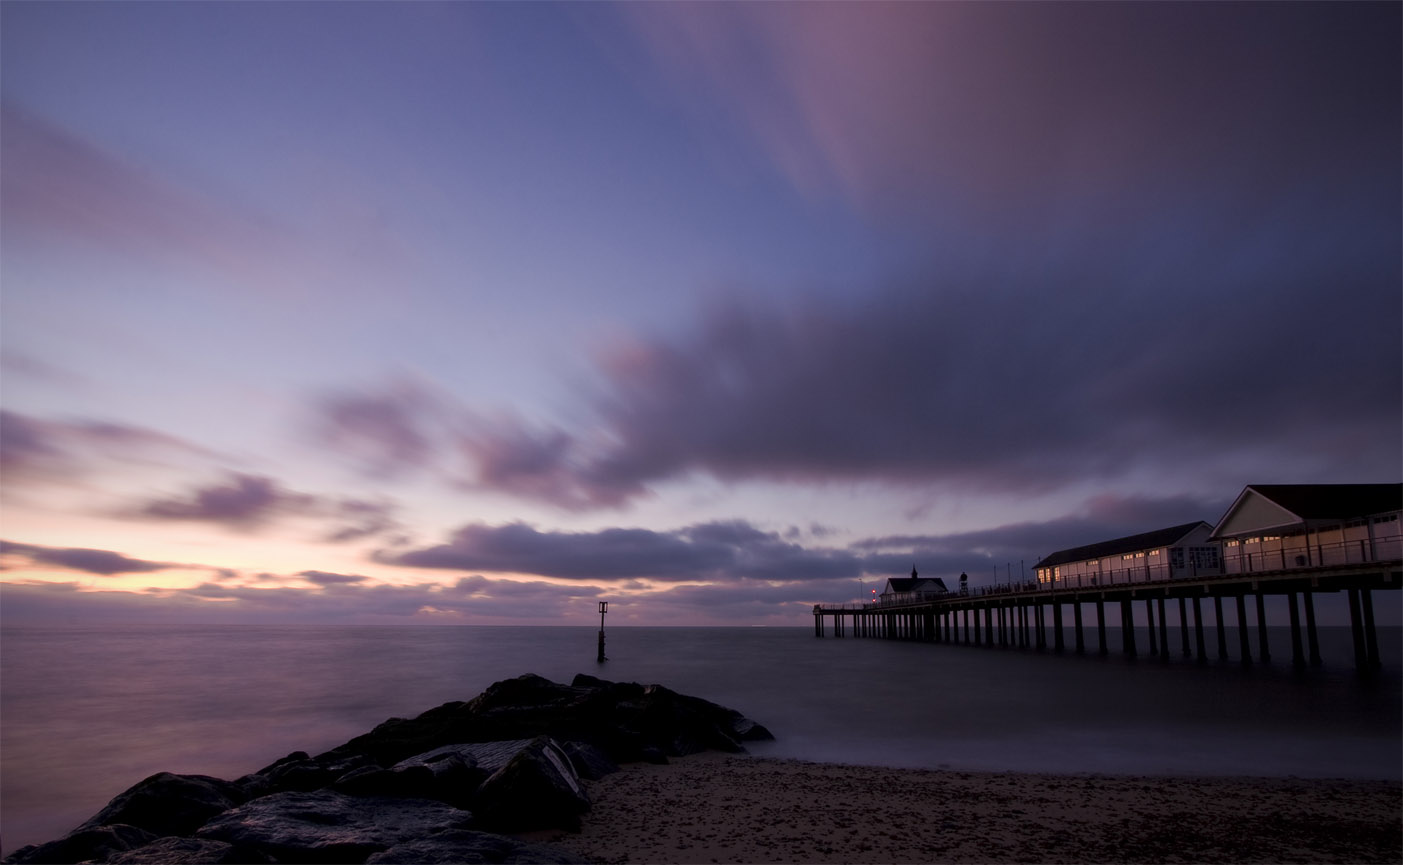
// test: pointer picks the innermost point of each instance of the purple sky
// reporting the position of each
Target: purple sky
(481, 313)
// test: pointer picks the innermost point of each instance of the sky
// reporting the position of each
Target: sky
(461, 313)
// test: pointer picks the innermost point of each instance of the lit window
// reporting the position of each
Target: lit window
(1155, 552)
(1233, 543)
(1128, 557)
(1271, 537)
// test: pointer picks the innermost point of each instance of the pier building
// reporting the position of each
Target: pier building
(1281, 526)
(912, 588)
(1304, 540)
(1163, 554)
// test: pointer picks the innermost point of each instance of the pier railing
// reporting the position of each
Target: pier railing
(1246, 559)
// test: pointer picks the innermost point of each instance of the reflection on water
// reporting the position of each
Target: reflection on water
(85, 713)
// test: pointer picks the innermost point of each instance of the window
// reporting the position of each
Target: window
(1128, 557)
(1389, 518)
(1140, 555)
(1155, 552)
(1252, 540)
(1204, 557)
(1233, 543)
(1271, 537)
(1176, 558)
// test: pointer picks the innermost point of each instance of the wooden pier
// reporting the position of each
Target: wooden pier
(1017, 616)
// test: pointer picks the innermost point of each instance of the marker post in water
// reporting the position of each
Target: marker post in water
(603, 608)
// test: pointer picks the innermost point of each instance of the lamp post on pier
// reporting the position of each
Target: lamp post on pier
(603, 608)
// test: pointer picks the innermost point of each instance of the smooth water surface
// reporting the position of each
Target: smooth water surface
(86, 713)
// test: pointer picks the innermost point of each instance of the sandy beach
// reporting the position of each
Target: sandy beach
(723, 808)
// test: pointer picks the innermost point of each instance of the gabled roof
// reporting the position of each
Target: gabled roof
(1293, 504)
(1333, 501)
(1134, 543)
(916, 584)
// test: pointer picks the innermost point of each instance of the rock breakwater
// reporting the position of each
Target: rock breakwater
(445, 786)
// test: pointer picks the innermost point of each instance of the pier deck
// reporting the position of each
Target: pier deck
(1016, 615)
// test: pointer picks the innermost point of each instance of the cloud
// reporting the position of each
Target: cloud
(250, 502)
(993, 109)
(708, 551)
(325, 578)
(101, 562)
(244, 500)
(33, 448)
(333, 599)
(60, 185)
(387, 431)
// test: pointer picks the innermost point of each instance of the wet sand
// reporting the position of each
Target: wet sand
(723, 808)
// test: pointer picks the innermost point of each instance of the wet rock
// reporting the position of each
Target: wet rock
(83, 845)
(627, 721)
(188, 851)
(537, 789)
(167, 804)
(589, 762)
(331, 827)
(455, 846)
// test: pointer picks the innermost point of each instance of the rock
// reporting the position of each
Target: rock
(84, 844)
(457, 845)
(167, 804)
(188, 851)
(331, 827)
(409, 779)
(588, 761)
(538, 789)
(627, 721)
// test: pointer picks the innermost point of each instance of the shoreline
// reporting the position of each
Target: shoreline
(727, 808)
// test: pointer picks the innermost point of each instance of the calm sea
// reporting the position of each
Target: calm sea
(86, 713)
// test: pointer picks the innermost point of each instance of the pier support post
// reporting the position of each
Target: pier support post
(1356, 629)
(1311, 639)
(1184, 628)
(1198, 632)
(1057, 626)
(1022, 625)
(1150, 618)
(988, 626)
(1076, 622)
(1127, 628)
(1163, 633)
(1039, 633)
(1101, 625)
(1298, 655)
(818, 624)
(1244, 646)
(1262, 629)
(1371, 634)
(1222, 631)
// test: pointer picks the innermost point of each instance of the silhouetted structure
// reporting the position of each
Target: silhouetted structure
(1306, 539)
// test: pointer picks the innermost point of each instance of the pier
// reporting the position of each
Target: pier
(1017, 616)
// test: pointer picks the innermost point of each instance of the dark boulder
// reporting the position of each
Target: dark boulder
(188, 851)
(456, 845)
(627, 721)
(330, 827)
(167, 804)
(299, 773)
(589, 762)
(84, 844)
(537, 789)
